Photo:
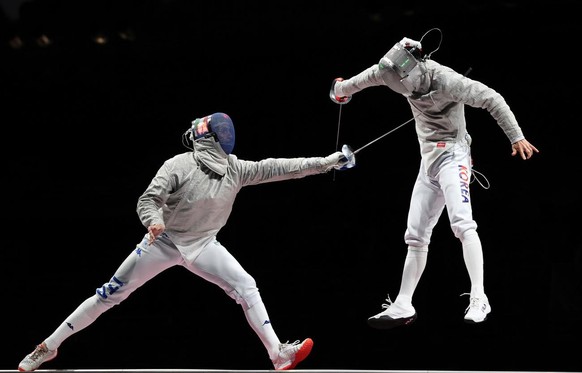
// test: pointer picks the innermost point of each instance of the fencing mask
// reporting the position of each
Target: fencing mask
(217, 125)
(402, 68)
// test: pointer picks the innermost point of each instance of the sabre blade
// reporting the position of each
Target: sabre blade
(386, 134)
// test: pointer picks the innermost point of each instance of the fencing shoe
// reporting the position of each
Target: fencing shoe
(394, 315)
(291, 354)
(478, 309)
(33, 360)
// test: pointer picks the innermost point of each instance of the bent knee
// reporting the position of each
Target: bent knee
(246, 298)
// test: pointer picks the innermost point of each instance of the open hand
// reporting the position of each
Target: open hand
(524, 149)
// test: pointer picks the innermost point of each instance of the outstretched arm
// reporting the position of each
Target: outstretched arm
(277, 169)
(370, 77)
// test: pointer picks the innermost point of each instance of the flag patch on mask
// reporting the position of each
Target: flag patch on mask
(441, 144)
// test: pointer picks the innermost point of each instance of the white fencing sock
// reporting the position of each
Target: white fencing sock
(258, 319)
(473, 255)
(85, 314)
(414, 265)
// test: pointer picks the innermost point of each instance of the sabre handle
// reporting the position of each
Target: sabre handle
(349, 157)
(337, 99)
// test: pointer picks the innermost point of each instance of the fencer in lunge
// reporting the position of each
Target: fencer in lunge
(437, 96)
(184, 207)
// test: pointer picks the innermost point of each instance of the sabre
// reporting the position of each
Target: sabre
(386, 134)
(341, 101)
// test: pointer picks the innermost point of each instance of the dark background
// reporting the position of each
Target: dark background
(86, 126)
